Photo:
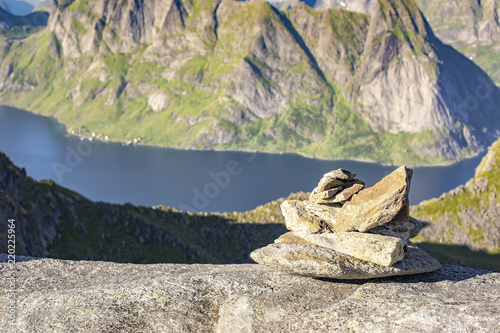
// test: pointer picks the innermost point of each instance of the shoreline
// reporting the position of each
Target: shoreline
(138, 144)
(64, 131)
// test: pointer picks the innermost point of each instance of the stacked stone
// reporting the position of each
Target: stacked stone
(336, 187)
(345, 231)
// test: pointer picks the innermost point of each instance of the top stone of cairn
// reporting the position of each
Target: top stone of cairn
(334, 179)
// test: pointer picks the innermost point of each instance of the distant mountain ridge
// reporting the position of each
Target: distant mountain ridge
(360, 6)
(8, 20)
(17, 7)
(243, 75)
(472, 27)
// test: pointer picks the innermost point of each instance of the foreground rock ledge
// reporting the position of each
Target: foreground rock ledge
(69, 296)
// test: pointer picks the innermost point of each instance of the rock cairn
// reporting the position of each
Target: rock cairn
(345, 231)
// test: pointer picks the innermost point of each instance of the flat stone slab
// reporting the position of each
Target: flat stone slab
(379, 249)
(84, 296)
(319, 262)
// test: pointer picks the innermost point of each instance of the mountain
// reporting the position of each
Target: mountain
(23, 8)
(359, 6)
(243, 75)
(8, 20)
(472, 27)
(19, 27)
(45, 5)
(468, 215)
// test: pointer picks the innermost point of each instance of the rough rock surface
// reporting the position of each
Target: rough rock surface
(401, 230)
(302, 217)
(82, 296)
(291, 238)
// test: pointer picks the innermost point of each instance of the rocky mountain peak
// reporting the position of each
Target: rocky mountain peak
(401, 48)
(397, 29)
(174, 22)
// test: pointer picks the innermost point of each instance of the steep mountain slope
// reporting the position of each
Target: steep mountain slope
(470, 26)
(468, 215)
(193, 74)
(401, 50)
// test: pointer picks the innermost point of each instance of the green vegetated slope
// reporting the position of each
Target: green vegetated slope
(470, 26)
(464, 224)
(243, 75)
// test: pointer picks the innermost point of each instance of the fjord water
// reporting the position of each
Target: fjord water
(189, 180)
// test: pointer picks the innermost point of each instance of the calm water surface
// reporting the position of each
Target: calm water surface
(189, 180)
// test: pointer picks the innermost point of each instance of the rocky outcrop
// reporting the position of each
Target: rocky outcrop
(341, 240)
(81, 296)
(464, 23)
(401, 47)
(470, 214)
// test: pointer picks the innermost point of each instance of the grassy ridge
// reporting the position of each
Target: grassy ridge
(467, 216)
